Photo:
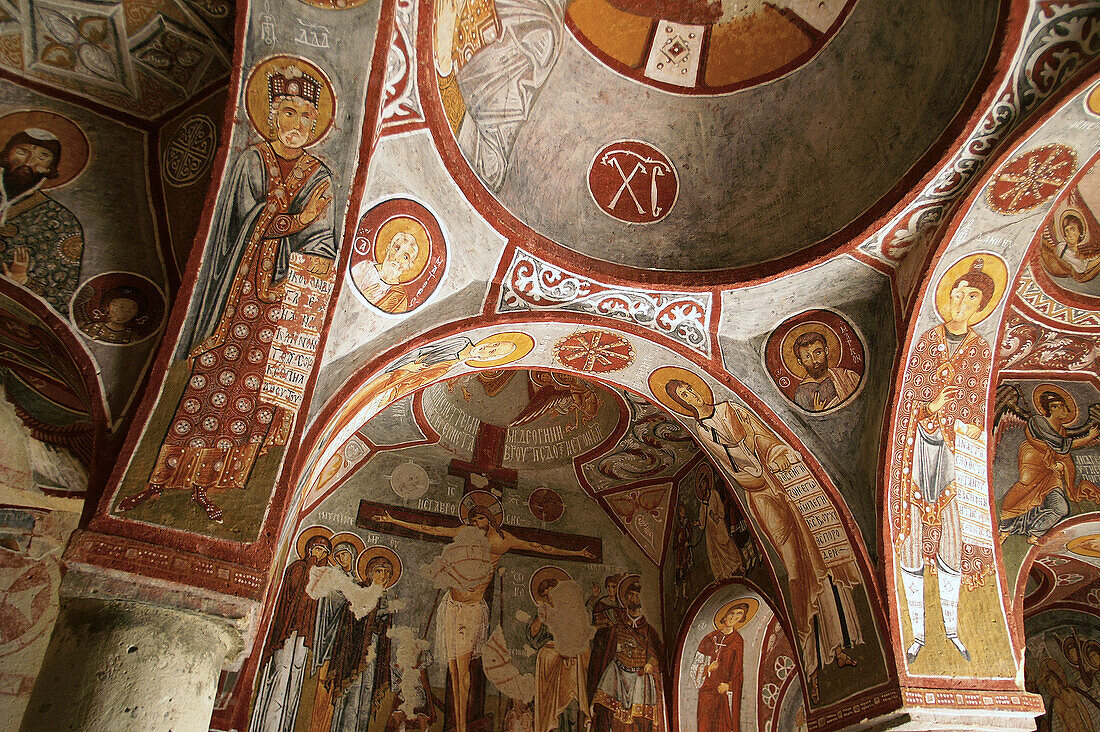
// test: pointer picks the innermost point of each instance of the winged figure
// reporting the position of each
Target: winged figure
(1048, 479)
(552, 393)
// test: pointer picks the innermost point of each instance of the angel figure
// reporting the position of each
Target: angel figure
(1069, 246)
(1048, 478)
(561, 394)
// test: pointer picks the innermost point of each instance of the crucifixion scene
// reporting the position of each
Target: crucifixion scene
(549, 365)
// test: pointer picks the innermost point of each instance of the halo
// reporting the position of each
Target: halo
(663, 375)
(1071, 403)
(623, 584)
(484, 499)
(307, 534)
(1085, 546)
(74, 143)
(832, 341)
(412, 227)
(379, 551)
(256, 102)
(350, 538)
(992, 265)
(523, 344)
(545, 573)
(1077, 215)
(751, 605)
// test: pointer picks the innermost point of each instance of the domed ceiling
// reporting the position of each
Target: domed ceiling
(701, 135)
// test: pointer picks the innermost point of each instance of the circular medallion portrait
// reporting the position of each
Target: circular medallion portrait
(398, 257)
(817, 359)
(118, 308)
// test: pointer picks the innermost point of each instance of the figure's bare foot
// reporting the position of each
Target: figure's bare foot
(1003, 535)
(843, 659)
(212, 512)
(138, 498)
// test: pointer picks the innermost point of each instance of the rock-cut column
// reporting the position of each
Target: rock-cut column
(129, 666)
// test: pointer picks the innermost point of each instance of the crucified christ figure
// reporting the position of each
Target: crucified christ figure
(462, 620)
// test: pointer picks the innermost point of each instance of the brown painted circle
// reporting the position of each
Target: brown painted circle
(546, 505)
(372, 235)
(1031, 179)
(633, 182)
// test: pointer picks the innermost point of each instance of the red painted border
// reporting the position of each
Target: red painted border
(1006, 37)
(1054, 104)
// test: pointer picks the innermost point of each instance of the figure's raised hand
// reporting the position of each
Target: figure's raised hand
(946, 394)
(21, 260)
(317, 203)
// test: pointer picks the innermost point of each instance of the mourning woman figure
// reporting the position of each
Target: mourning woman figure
(359, 669)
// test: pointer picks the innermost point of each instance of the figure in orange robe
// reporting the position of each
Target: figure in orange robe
(1048, 477)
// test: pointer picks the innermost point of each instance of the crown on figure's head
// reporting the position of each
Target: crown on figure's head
(291, 82)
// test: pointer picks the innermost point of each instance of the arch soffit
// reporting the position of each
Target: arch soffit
(948, 246)
(692, 613)
(335, 423)
(81, 357)
(960, 238)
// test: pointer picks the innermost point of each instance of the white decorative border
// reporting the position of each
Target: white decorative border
(533, 284)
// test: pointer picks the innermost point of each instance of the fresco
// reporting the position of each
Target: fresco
(800, 523)
(720, 665)
(399, 256)
(940, 513)
(1062, 664)
(31, 542)
(188, 144)
(491, 58)
(49, 390)
(1047, 407)
(480, 597)
(706, 48)
(1068, 251)
(275, 244)
(43, 242)
(657, 182)
(508, 79)
(711, 541)
(118, 308)
(1057, 434)
(817, 360)
(143, 59)
(77, 190)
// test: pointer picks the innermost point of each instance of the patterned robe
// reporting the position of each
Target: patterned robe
(926, 486)
(221, 422)
(55, 241)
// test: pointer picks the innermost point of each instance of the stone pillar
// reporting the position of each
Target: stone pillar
(124, 665)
